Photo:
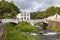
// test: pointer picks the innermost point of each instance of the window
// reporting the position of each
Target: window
(0, 22)
(24, 14)
(21, 14)
(27, 18)
(56, 16)
(27, 14)
(22, 18)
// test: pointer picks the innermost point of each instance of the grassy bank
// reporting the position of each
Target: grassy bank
(17, 32)
(55, 29)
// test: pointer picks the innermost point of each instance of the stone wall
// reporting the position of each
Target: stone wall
(53, 24)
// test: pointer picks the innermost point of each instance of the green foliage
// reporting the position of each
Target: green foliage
(11, 33)
(35, 14)
(48, 12)
(8, 9)
(56, 29)
(26, 27)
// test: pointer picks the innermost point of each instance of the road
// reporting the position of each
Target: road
(1, 29)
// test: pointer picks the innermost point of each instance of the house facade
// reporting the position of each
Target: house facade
(23, 16)
(53, 21)
(55, 17)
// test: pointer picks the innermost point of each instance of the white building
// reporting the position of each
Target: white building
(23, 16)
(55, 17)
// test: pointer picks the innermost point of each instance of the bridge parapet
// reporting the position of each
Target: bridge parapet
(32, 22)
(9, 20)
(42, 20)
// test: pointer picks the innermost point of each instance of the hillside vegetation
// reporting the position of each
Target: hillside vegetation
(8, 9)
(46, 13)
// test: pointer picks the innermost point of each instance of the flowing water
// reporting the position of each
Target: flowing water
(50, 35)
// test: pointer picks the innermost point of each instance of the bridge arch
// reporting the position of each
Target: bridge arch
(40, 22)
(11, 23)
(43, 24)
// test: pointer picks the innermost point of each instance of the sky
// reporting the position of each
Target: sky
(35, 5)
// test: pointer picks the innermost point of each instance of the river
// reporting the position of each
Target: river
(48, 37)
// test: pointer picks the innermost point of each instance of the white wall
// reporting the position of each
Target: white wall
(54, 17)
(23, 15)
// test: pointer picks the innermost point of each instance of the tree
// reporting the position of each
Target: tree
(49, 11)
(8, 9)
(46, 13)
(34, 15)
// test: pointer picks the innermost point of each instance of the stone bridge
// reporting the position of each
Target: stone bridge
(32, 22)
(9, 20)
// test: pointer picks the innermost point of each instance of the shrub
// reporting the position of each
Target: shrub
(11, 33)
(26, 27)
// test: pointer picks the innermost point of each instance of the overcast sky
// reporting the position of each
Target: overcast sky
(35, 5)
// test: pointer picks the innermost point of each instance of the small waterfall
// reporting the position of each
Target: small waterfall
(50, 33)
